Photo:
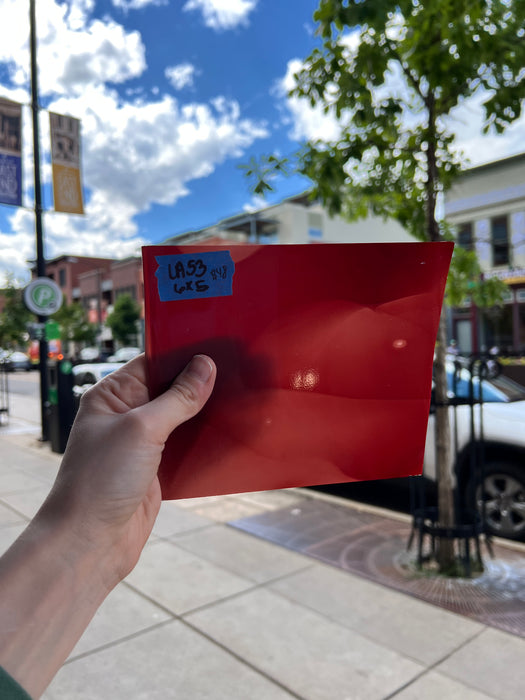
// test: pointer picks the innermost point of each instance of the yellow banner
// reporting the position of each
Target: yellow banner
(65, 160)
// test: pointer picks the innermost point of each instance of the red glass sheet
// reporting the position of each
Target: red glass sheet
(324, 357)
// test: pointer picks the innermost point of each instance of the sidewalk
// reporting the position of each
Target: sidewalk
(213, 612)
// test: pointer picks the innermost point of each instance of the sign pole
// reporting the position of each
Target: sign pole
(40, 259)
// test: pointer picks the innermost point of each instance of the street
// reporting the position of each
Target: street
(24, 401)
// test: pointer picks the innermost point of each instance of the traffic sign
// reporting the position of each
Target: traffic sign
(42, 296)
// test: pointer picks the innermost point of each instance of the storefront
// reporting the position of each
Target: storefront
(501, 327)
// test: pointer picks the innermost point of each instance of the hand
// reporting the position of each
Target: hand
(92, 527)
(107, 486)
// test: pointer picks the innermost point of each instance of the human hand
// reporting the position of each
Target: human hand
(107, 487)
(90, 531)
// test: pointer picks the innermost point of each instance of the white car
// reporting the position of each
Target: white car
(85, 375)
(124, 355)
(503, 425)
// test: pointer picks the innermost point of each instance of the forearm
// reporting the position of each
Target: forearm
(50, 589)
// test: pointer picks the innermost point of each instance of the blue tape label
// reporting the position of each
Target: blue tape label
(195, 275)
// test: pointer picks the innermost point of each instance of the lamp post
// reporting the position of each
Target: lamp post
(40, 259)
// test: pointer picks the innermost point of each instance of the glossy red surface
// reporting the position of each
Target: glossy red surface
(324, 356)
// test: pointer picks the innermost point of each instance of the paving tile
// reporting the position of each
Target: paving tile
(314, 657)
(26, 502)
(123, 613)
(182, 581)
(173, 519)
(493, 662)
(272, 500)
(8, 516)
(18, 481)
(171, 661)
(242, 554)
(434, 686)
(424, 632)
(228, 508)
(9, 533)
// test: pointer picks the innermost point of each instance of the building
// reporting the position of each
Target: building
(66, 271)
(96, 283)
(486, 206)
(295, 220)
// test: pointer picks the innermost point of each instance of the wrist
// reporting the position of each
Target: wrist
(50, 589)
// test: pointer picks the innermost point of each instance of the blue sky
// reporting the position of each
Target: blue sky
(172, 96)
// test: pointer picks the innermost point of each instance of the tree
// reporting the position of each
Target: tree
(123, 319)
(393, 74)
(14, 317)
(73, 324)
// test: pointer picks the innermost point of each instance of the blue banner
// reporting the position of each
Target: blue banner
(10, 180)
(10, 152)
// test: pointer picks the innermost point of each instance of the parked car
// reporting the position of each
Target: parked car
(85, 375)
(89, 354)
(15, 361)
(124, 354)
(503, 424)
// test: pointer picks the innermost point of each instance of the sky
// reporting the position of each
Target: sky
(173, 95)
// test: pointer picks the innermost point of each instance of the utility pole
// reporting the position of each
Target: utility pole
(40, 259)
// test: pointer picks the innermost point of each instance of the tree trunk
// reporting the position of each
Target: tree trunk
(445, 552)
(445, 549)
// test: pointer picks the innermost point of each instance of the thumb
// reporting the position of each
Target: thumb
(184, 399)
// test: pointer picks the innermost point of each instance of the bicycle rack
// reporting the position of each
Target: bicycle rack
(469, 522)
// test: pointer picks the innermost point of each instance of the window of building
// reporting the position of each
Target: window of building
(465, 237)
(500, 241)
(62, 277)
(130, 291)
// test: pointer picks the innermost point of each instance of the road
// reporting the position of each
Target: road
(24, 400)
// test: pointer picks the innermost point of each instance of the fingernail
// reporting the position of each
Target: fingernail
(201, 368)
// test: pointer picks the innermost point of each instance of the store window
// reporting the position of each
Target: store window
(500, 241)
(465, 237)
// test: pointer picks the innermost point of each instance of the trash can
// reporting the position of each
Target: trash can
(61, 407)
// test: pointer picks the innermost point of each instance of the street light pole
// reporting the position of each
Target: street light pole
(40, 259)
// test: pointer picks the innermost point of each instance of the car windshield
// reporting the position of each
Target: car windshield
(494, 390)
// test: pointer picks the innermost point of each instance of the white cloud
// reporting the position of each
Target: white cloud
(222, 14)
(136, 4)
(181, 75)
(465, 121)
(306, 122)
(75, 50)
(137, 150)
(134, 155)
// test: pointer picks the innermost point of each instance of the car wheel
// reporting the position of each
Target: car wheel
(503, 498)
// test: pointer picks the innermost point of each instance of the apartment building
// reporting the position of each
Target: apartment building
(487, 209)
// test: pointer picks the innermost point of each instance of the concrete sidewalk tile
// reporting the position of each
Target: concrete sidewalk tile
(123, 613)
(173, 519)
(26, 502)
(171, 661)
(181, 581)
(272, 500)
(9, 517)
(9, 533)
(242, 554)
(424, 632)
(493, 662)
(17, 481)
(312, 656)
(228, 508)
(434, 686)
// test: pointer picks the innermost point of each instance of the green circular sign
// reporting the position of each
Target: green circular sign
(43, 296)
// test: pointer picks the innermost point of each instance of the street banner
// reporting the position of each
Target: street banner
(65, 160)
(324, 356)
(10, 153)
